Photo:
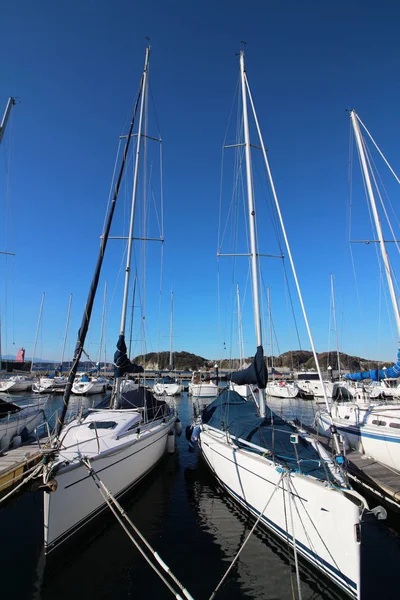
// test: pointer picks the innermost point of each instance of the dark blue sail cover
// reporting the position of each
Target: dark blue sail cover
(122, 364)
(256, 373)
(377, 374)
(231, 412)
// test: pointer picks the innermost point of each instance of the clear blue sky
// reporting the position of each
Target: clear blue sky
(75, 67)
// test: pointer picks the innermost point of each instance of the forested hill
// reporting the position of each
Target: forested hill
(294, 360)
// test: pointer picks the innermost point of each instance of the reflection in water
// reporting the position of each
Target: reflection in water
(194, 526)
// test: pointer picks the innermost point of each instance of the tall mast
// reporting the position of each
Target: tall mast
(252, 222)
(37, 331)
(270, 330)
(6, 114)
(335, 323)
(66, 329)
(240, 329)
(171, 361)
(385, 257)
(103, 319)
(134, 194)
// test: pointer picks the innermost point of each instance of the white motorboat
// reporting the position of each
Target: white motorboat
(121, 443)
(282, 389)
(201, 385)
(168, 386)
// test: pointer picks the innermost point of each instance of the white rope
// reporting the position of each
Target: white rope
(110, 500)
(248, 536)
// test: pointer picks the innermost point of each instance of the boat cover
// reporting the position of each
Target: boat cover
(377, 374)
(256, 373)
(231, 412)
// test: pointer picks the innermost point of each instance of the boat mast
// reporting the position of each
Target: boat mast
(335, 323)
(103, 318)
(252, 222)
(385, 257)
(133, 207)
(270, 331)
(37, 331)
(66, 330)
(240, 331)
(10, 104)
(171, 362)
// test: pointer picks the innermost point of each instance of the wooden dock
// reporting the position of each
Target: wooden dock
(15, 463)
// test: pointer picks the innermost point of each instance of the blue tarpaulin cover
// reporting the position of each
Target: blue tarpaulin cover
(377, 374)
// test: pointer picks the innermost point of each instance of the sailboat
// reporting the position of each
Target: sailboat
(275, 471)
(125, 438)
(370, 427)
(170, 386)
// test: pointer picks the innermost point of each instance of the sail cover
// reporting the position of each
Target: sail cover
(377, 374)
(122, 364)
(256, 373)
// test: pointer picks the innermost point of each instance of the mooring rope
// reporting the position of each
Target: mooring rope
(117, 508)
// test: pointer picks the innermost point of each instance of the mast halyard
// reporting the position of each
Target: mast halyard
(252, 223)
(37, 330)
(371, 196)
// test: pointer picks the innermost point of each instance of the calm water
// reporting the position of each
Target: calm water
(195, 528)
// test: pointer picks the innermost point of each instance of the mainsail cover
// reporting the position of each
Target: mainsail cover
(122, 364)
(377, 374)
(256, 373)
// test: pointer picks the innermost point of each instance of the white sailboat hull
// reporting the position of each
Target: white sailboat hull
(28, 418)
(77, 499)
(326, 520)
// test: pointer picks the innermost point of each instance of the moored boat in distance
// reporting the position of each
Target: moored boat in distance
(201, 386)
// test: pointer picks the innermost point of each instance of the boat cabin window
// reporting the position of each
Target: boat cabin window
(376, 422)
(395, 425)
(102, 425)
